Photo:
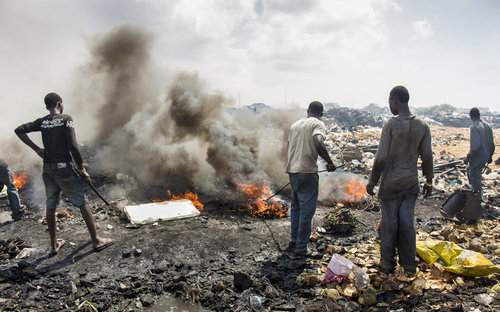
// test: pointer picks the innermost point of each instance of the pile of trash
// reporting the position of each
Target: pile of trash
(452, 260)
(11, 247)
(346, 117)
(453, 119)
(339, 221)
(356, 147)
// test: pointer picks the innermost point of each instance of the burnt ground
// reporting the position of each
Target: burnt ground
(195, 259)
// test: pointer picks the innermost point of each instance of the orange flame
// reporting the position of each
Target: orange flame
(188, 195)
(354, 191)
(258, 206)
(64, 213)
(20, 179)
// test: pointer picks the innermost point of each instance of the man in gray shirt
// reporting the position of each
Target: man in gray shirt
(404, 138)
(482, 148)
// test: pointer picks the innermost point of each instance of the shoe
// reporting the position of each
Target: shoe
(387, 269)
(411, 273)
(20, 213)
(107, 242)
(301, 253)
(291, 245)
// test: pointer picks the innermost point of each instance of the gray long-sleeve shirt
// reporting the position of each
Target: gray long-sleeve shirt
(402, 141)
(482, 146)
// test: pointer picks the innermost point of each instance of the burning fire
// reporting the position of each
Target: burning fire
(64, 213)
(258, 206)
(188, 195)
(354, 190)
(20, 179)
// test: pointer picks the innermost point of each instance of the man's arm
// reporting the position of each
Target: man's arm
(26, 139)
(321, 148)
(22, 132)
(380, 159)
(74, 150)
(425, 151)
(491, 141)
(73, 144)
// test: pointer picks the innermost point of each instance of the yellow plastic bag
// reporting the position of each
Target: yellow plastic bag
(455, 259)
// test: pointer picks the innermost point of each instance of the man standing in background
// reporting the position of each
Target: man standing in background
(403, 139)
(305, 143)
(6, 178)
(482, 148)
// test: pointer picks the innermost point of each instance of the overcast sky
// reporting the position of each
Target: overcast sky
(280, 52)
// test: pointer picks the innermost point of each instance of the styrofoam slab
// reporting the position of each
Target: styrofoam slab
(166, 210)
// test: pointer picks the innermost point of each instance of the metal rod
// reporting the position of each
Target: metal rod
(78, 173)
(281, 189)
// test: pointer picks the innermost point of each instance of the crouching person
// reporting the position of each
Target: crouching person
(6, 178)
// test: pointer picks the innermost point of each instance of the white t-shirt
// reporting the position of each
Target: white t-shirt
(302, 153)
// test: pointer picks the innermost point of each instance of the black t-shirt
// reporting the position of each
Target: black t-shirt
(3, 163)
(58, 136)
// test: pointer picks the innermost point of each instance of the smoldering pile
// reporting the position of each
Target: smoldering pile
(188, 140)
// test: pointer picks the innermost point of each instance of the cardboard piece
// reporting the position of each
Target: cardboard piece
(166, 210)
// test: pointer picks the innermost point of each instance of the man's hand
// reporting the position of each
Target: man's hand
(84, 175)
(369, 189)
(427, 189)
(331, 167)
(40, 152)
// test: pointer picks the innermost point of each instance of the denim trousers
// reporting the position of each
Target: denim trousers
(398, 230)
(304, 198)
(6, 178)
(474, 171)
(59, 177)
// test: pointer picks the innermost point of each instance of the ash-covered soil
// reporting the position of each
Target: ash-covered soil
(224, 259)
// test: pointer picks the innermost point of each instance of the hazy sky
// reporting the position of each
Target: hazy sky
(271, 51)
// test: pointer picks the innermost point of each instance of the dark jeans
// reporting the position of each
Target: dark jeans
(398, 230)
(6, 178)
(474, 171)
(304, 197)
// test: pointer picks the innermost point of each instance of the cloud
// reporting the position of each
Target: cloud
(423, 29)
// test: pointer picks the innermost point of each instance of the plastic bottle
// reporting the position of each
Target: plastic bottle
(362, 279)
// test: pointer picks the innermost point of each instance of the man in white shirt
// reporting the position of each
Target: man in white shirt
(305, 143)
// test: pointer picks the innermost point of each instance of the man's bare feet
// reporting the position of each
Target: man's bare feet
(59, 244)
(103, 243)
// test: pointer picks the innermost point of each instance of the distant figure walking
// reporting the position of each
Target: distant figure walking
(482, 148)
(305, 143)
(60, 146)
(404, 138)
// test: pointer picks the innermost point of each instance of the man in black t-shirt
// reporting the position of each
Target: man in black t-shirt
(60, 147)
(6, 178)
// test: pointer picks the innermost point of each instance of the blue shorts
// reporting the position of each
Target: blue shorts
(59, 177)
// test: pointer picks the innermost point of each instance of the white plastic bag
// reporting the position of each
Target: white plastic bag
(362, 279)
(338, 270)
